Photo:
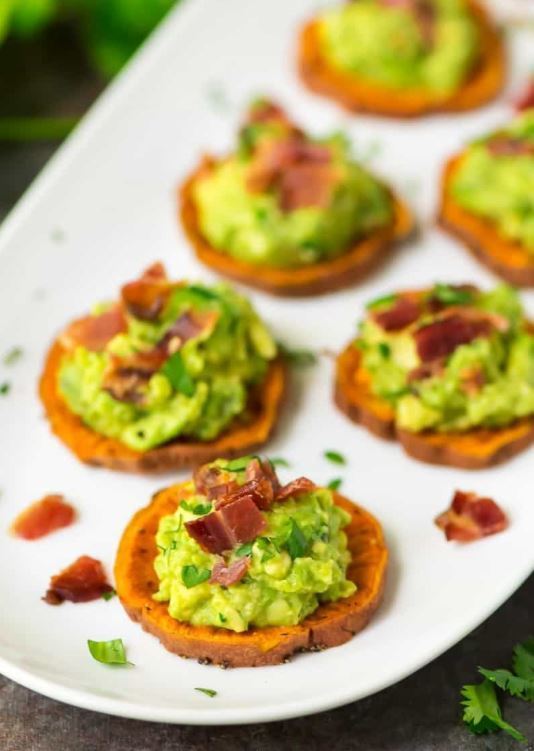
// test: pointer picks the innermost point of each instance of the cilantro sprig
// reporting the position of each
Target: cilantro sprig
(481, 709)
(110, 652)
(193, 575)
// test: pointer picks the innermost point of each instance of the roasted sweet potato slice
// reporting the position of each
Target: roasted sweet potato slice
(318, 278)
(507, 258)
(356, 94)
(241, 438)
(330, 625)
(474, 449)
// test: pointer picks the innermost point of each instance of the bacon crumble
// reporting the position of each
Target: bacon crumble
(94, 332)
(471, 517)
(401, 314)
(226, 575)
(82, 581)
(43, 517)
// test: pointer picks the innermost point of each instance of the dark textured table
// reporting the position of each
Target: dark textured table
(419, 714)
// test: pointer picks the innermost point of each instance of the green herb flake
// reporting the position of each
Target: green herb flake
(451, 295)
(298, 358)
(199, 509)
(335, 484)
(207, 691)
(12, 356)
(278, 461)
(296, 542)
(381, 302)
(222, 618)
(178, 376)
(335, 457)
(239, 465)
(108, 652)
(107, 596)
(5, 388)
(193, 575)
(384, 349)
(482, 713)
(245, 549)
(523, 661)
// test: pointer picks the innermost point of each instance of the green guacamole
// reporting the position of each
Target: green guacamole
(500, 187)
(195, 393)
(282, 585)
(253, 226)
(486, 382)
(387, 45)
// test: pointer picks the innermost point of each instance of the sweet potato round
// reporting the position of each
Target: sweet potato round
(507, 258)
(475, 449)
(318, 278)
(355, 94)
(330, 625)
(242, 437)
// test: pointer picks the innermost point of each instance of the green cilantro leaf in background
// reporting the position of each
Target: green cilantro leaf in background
(482, 713)
(110, 652)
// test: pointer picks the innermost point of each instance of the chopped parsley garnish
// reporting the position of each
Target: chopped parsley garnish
(245, 549)
(5, 388)
(335, 484)
(296, 542)
(384, 349)
(11, 357)
(199, 509)
(178, 376)
(193, 575)
(266, 546)
(278, 461)
(299, 358)
(108, 652)
(108, 595)
(208, 691)
(381, 302)
(207, 294)
(335, 457)
(481, 710)
(451, 295)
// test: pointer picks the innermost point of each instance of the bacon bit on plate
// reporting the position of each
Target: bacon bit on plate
(228, 575)
(43, 517)
(526, 100)
(510, 146)
(236, 522)
(295, 488)
(402, 313)
(145, 297)
(440, 338)
(94, 332)
(471, 517)
(82, 581)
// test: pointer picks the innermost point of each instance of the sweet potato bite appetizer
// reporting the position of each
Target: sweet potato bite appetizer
(403, 58)
(488, 200)
(173, 374)
(235, 569)
(287, 213)
(449, 372)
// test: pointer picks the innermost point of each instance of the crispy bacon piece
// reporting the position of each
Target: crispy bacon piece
(188, 326)
(145, 297)
(228, 575)
(307, 184)
(471, 517)
(295, 488)
(235, 522)
(82, 581)
(43, 517)
(94, 332)
(472, 380)
(510, 146)
(126, 378)
(402, 313)
(207, 477)
(427, 370)
(440, 338)
(265, 111)
(526, 100)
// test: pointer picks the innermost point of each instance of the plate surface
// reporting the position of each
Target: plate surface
(104, 209)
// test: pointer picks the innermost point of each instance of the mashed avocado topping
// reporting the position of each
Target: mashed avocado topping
(407, 44)
(298, 560)
(287, 200)
(495, 180)
(183, 370)
(451, 359)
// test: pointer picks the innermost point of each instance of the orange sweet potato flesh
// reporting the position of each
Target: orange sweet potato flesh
(351, 267)
(507, 258)
(356, 94)
(241, 438)
(330, 625)
(474, 449)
